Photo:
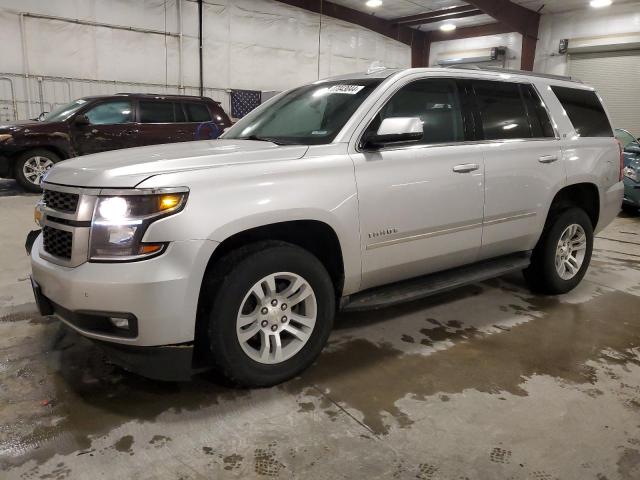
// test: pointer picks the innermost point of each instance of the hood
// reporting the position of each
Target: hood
(127, 168)
(18, 123)
(28, 125)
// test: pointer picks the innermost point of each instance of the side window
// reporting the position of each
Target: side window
(197, 112)
(153, 111)
(585, 111)
(541, 126)
(110, 113)
(435, 102)
(179, 112)
(502, 110)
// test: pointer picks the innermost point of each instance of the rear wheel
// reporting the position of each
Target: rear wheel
(31, 166)
(630, 209)
(562, 256)
(272, 313)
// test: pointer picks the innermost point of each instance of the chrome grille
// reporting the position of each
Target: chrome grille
(62, 201)
(58, 243)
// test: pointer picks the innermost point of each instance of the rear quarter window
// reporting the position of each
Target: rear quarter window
(585, 111)
(197, 112)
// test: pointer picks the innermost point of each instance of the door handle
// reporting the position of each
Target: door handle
(548, 158)
(466, 168)
(130, 132)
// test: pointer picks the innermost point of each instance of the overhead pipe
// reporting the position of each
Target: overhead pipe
(180, 49)
(98, 24)
(200, 46)
(25, 63)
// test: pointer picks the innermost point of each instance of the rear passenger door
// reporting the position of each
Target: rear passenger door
(523, 166)
(160, 121)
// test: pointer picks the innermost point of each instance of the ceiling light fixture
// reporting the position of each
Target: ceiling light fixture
(600, 3)
(448, 27)
(374, 3)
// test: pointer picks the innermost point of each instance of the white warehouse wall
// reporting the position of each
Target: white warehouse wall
(605, 26)
(617, 26)
(478, 46)
(248, 44)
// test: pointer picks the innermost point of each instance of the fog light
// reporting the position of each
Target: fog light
(118, 322)
(38, 214)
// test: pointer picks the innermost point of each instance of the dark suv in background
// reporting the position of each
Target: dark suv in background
(95, 124)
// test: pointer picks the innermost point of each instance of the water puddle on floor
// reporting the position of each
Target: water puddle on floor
(371, 378)
(58, 394)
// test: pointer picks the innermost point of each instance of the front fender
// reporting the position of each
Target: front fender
(229, 200)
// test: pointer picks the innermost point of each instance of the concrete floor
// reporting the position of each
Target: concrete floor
(487, 382)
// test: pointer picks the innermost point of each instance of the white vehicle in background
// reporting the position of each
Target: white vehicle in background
(355, 192)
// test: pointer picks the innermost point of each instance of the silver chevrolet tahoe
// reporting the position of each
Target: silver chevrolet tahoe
(355, 192)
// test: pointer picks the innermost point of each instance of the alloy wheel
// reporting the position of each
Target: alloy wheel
(570, 251)
(35, 167)
(276, 317)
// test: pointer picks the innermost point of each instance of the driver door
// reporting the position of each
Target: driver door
(421, 203)
(110, 127)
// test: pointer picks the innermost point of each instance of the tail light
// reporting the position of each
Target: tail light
(621, 174)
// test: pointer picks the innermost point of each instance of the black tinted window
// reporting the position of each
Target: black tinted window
(585, 111)
(502, 110)
(197, 112)
(435, 102)
(538, 117)
(156, 112)
(180, 115)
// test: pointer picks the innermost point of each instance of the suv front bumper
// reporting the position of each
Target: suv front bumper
(159, 295)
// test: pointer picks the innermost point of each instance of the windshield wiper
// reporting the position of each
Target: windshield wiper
(277, 141)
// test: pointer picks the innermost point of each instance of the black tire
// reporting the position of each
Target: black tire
(630, 209)
(541, 275)
(23, 158)
(235, 274)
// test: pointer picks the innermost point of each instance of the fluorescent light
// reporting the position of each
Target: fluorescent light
(448, 27)
(600, 3)
(374, 3)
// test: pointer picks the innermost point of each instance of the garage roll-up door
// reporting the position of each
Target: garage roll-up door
(616, 76)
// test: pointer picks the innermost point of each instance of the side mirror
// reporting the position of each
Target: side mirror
(396, 130)
(81, 120)
(42, 116)
(633, 148)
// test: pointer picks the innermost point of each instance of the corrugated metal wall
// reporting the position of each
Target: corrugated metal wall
(616, 76)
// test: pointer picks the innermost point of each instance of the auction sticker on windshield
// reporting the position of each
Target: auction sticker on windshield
(348, 89)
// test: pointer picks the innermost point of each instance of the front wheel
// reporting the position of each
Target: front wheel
(31, 166)
(272, 313)
(562, 256)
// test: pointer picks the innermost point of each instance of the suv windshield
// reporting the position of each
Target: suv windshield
(60, 114)
(309, 115)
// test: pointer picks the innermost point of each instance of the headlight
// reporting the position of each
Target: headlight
(120, 221)
(5, 136)
(632, 173)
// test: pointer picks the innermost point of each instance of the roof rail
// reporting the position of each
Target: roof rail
(515, 72)
(157, 94)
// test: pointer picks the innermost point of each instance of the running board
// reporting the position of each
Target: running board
(425, 286)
